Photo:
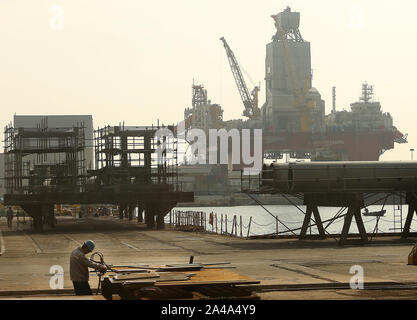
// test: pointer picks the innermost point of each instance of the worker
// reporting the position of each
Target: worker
(9, 215)
(79, 264)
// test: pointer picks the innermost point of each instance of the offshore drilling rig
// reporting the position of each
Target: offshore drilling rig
(293, 117)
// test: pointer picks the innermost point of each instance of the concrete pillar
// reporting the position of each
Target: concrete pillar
(160, 224)
(35, 211)
(150, 217)
(131, 209)
(140, 213)
(122, 210)
(157, 211)
(37, 223)
(48, 213)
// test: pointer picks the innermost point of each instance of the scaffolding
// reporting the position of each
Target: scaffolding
(43, 160)
(134, 167)
(136, 157)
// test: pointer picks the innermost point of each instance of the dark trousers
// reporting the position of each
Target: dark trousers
(82, 288)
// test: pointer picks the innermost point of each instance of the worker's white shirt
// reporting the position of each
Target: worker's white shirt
(79, 264)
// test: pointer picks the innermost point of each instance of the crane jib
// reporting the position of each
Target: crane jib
(247, 100)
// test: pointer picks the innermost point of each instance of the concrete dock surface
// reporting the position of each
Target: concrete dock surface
(287, 268)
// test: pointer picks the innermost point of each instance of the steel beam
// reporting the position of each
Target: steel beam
(307, 218)
(353, 211)
(411, 200)
(98, 197)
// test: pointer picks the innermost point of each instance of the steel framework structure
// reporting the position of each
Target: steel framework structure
(44, 159)
(129, 155)
(345, 185)
(135, 167)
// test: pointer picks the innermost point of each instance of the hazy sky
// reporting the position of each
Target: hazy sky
(134, 61)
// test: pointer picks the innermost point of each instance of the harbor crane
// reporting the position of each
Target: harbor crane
(250, 100)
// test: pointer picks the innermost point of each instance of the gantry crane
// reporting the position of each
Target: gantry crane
(250, 100)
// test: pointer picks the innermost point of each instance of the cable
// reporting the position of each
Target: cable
(98, 272)
(254, 199)
(337, 215)
(262, 225)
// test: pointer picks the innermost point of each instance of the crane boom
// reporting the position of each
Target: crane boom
(250, 104)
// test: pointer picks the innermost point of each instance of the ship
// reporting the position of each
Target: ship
(380, 213)
(293, 118)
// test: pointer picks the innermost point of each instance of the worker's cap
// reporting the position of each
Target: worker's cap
(90, 245)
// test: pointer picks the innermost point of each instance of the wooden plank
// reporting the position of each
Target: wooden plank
(167, 267)
(164, 276)
(163, 279)
(136, 276)
(215, 276)
(141, 281)
(172, 276)
(132, 271)
(188, 266)
(180, 268)
(207, 283)
(207, 276)
(136, 266)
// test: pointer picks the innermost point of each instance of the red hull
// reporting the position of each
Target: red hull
(356, 146)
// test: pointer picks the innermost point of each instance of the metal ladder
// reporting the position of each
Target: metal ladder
(398, 214)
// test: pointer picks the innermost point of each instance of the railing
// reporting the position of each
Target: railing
(199, 221)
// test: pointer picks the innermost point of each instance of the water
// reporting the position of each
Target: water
(292, 218)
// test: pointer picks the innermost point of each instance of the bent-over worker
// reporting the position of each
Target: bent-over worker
(79, 264)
